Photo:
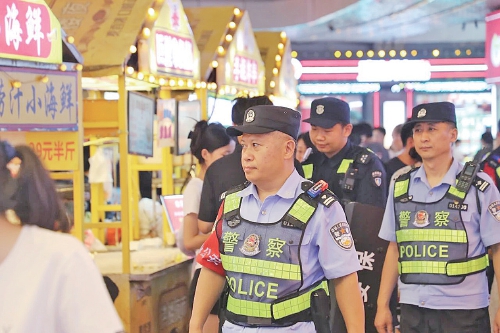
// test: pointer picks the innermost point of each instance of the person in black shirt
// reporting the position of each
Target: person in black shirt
(227, 171)
(353, 173)
(408, 156)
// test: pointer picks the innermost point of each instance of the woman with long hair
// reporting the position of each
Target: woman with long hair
(209, 142)
(48, 281)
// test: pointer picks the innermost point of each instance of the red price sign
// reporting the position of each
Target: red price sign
(173, 207)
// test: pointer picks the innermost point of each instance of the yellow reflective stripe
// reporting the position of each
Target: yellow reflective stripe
(280, 309)
(453, 190)
(344, 165)
(232, 202)
(443, 267)
(259, 267)
(296, 304)
(248, 308)
(431, 235)
(301, 210)
(401, 187)
(308, 170)
(470, 266)
(498, 172)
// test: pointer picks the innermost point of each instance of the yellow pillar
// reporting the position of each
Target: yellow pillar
(124, 171)
(78, 184)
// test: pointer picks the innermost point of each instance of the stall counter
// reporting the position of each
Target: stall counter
(154, 296)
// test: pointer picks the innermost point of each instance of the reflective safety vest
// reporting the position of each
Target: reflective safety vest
(432, 239)
(262, 263)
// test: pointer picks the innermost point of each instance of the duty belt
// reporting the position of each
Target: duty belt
(285, 311)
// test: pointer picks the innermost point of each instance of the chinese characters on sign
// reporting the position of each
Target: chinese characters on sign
(174, 54)
(245, 70)
(56, 150)
(27, 31)
(38, 106)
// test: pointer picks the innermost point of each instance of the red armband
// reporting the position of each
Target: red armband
(209, 255)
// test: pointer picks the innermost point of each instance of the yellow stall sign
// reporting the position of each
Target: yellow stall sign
(38, 100)
(58, 151)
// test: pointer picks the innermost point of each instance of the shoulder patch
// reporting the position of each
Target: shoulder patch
(341, 234)
(327, 198)
(377, 178)
(481, 184)
(494, 209)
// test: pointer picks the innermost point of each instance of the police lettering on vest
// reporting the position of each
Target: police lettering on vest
(431, 237)
(262, 261)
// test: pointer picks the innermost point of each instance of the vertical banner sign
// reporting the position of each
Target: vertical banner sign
(141, 111)
(492, 45)
(45, 101)
(165, 112)
(58, 151)
(29, 31)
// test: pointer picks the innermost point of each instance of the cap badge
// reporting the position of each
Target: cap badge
(421, 113)
(250, 116)
(320, 109)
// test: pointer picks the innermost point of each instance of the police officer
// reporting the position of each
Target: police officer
(353, 173)
(439, 220)
(277, 240)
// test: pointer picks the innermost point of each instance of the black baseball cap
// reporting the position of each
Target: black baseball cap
(433, 112)
(328, 111)
(262, 119)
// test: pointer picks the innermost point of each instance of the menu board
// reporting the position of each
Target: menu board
(141, 110)
(188, 114)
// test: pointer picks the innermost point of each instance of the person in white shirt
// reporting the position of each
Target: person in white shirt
(209, 142)
(48, 281)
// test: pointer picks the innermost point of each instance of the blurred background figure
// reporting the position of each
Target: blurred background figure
(378, 135)
(397, 145)
(305, 147)
(486, 146)
(457, 151)
(49, 281)
(407, 157)
(209, 142)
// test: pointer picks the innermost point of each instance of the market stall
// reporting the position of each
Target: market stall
(231, 63)
(123, 92)
(281, 82)
(40, 95)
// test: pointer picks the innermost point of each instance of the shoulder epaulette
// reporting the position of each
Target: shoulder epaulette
(326, 197)
(481, 184)
(364, 157)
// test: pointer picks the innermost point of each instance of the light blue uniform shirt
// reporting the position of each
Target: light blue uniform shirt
(320, 255)
(483, 229)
